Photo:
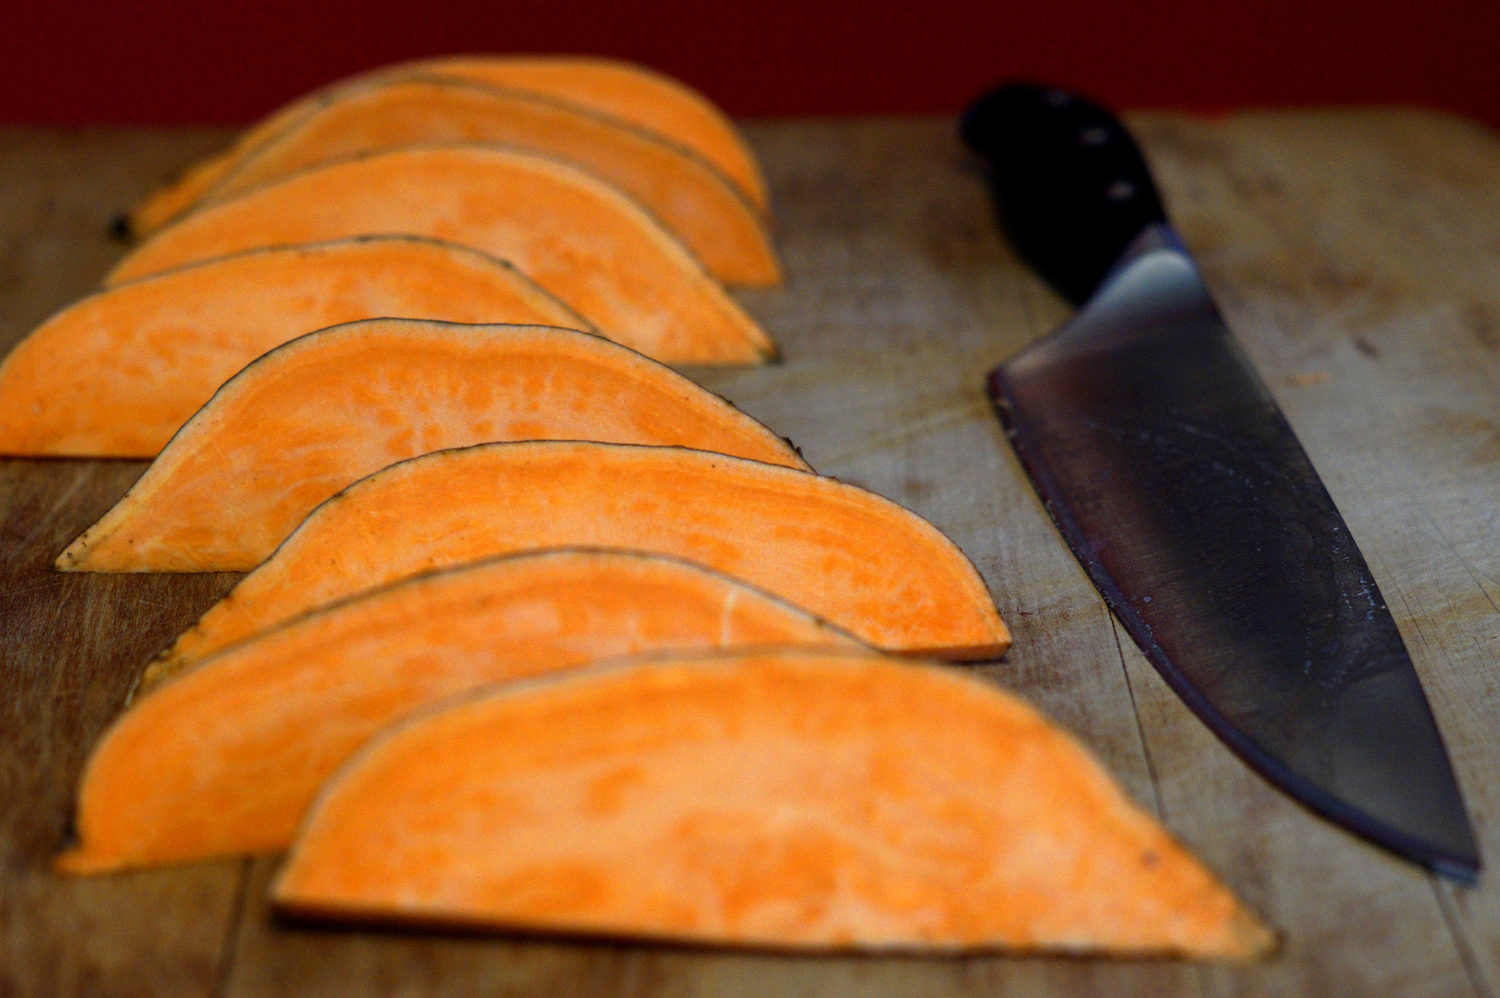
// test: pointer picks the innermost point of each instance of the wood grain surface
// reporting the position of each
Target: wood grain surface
(1356, 254)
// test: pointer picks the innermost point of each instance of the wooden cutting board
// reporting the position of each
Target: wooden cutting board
(1357, 254)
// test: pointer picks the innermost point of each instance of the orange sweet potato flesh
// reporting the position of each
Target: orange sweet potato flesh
(630, 93)
(845, 554)
(784, 800)
(627, 91)
(226, 757)
(328, 408)
(690, 197)
(573, 234)
(116, 374)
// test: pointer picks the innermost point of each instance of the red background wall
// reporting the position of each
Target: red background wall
(152, 61)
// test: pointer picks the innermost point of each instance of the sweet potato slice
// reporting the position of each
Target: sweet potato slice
(578, 237)
(630, 93)
(847, 555)
(328, 408)
(226, 757)
(116, 374)
(791, 799)
(625, 90)
(690, 197)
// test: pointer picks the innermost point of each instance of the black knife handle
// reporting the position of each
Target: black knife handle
(1070, 185)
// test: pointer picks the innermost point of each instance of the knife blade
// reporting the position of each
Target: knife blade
(1184, 493)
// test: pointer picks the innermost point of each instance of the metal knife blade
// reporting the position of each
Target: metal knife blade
(1184, 493)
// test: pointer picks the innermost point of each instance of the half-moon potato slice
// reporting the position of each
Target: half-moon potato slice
(691, 198)
(226, 757)
(575, 235)
(328, 408)
(781, 800)
(857, 560)
(633, 94)
(117, 373)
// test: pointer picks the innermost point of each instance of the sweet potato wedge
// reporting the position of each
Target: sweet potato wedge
(630, 93)
(847, 555)
(328, 408)
(226, 757)
(578, 237)
(116, 374)
(688, 195)
(785, 800)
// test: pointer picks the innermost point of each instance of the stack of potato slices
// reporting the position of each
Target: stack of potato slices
(601, 652)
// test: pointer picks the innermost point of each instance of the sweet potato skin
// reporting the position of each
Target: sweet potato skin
(788, 800)
(117, 373)
(843, 553)
(225, 758)
(328, 408)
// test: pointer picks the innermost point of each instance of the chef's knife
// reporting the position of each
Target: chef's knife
(1181, 489)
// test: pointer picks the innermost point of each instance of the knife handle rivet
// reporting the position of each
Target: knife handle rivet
(1120, 190)
(1095, 135)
